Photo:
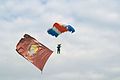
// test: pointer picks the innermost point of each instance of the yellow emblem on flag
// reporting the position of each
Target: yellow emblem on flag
(33, 49)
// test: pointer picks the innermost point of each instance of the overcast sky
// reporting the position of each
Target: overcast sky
(91, 53)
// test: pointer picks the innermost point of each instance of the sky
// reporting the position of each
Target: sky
(91, 53)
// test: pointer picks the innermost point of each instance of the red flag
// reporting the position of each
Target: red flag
(33, 51)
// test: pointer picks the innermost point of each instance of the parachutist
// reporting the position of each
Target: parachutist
(58, 48)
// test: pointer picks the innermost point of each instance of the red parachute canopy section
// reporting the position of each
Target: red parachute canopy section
(61, 28)
(33, 51)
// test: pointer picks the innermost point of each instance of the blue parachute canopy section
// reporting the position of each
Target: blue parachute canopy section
(70, 28)
(57, 29)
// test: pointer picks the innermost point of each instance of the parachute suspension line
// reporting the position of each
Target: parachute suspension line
(41, 72)
(41, 77)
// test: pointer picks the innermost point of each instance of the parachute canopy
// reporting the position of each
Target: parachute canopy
(57, 29)
(33, 51)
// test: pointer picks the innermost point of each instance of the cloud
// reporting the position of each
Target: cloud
(92, 52)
